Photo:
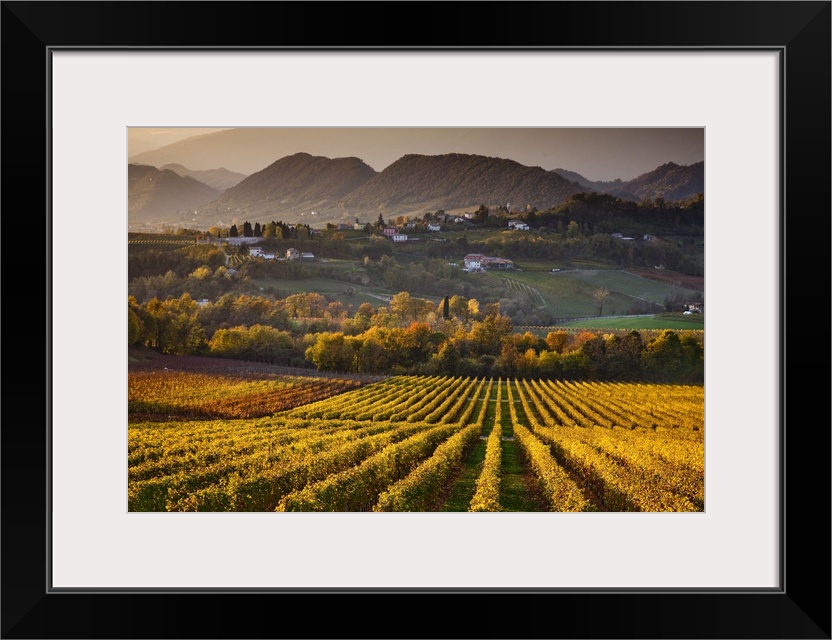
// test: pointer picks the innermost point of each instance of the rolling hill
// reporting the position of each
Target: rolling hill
(297, 187)
(669, 181)
(217, 178)
(296, 184)
(156, 196)
(456, 180)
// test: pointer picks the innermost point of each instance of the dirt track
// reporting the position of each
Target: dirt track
(696, 283)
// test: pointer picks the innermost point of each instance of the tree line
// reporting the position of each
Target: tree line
(410, 336)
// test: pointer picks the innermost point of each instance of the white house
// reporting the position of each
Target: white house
(479, 261)
(399, 237)
(292, 254)
(434, 227)
(255, 252)
(518, 225)
(473, 260)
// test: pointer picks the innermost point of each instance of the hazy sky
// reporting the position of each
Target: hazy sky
(145, 139)
(597, 154)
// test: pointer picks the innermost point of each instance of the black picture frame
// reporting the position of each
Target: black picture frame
(800, 608)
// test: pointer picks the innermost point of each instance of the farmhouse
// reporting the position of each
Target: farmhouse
(257, 252)
(480, 261)
(496, 263)
(292, 254)
(473, 260)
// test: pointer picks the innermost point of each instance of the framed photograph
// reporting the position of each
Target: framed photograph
(752, 78)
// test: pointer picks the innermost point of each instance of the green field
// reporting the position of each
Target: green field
(569, 293)
(532, 292)
(657, 322)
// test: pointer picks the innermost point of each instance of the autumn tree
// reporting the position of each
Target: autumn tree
(600, 295)
(259, 343)
(557, 340)
(487, 337)
(134, 327)
(270, 230)
(331, 352)
(664, 358)
(446, 360)
(573, 230)
(459, 307)
(473, 309)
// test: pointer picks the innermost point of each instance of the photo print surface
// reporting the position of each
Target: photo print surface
(416, 319)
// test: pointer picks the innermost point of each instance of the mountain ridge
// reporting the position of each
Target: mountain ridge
(297, 187)
(154, 195)
(220, 178)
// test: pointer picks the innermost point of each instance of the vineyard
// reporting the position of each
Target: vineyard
(414, 443)
(174, 395)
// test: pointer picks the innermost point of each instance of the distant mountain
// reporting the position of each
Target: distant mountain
(250, 149)
(217, 178)
(669, 181)
(456, 180)
(572, 176)
(296, 184)
(315, 189)
(157, 196)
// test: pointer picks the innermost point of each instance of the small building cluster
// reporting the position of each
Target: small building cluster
(294, 254)
(257, 252)
(475, 261)
(647, 237)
